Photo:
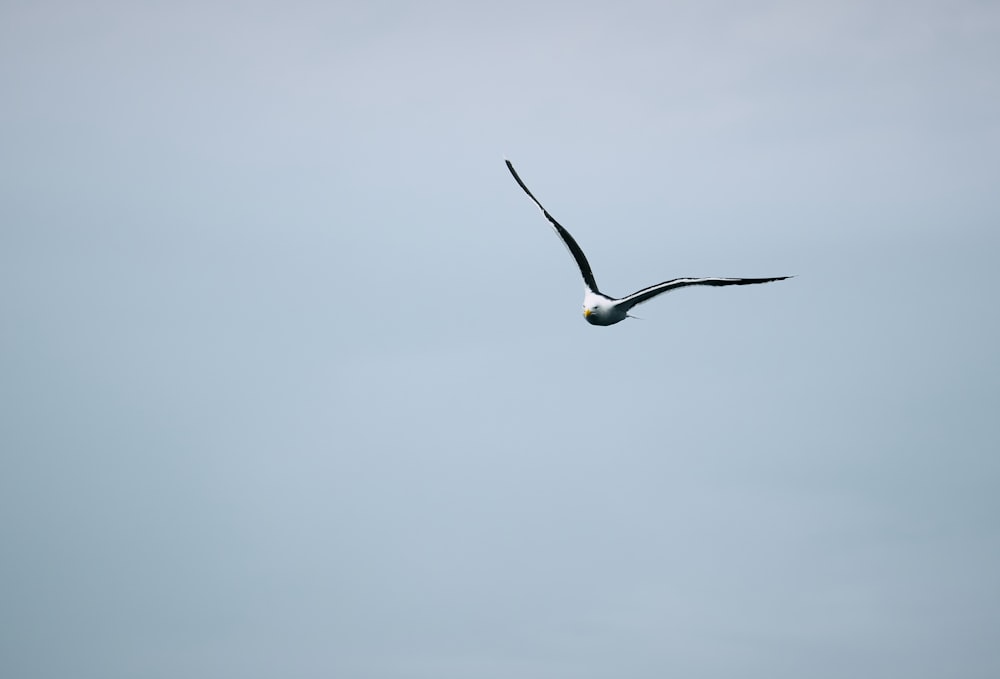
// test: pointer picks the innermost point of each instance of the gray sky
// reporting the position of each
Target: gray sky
(295, 380)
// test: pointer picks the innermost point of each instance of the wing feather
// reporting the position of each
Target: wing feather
(652, 291)
(567, 239)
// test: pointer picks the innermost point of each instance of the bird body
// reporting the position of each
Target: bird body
(598, 308)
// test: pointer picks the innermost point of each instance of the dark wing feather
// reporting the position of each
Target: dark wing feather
(652, 291)
(571, 244)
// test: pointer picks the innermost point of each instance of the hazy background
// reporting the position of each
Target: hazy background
(294, 379)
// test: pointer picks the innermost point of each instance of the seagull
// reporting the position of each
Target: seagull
(598, 308)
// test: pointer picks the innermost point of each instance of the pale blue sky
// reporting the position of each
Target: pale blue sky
(295, 380)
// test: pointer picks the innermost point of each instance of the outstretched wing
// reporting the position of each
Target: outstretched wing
(652, 291)
(574, 249)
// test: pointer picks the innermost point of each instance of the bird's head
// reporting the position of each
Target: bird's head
(601, 310)
(592, 307)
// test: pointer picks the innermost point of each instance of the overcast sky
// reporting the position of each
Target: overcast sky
(294, 380)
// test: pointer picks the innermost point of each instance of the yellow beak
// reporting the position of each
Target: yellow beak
(586, 313)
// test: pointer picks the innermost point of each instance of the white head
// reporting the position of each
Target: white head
(601, 310)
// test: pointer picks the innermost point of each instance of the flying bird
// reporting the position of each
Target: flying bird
(598, 308)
